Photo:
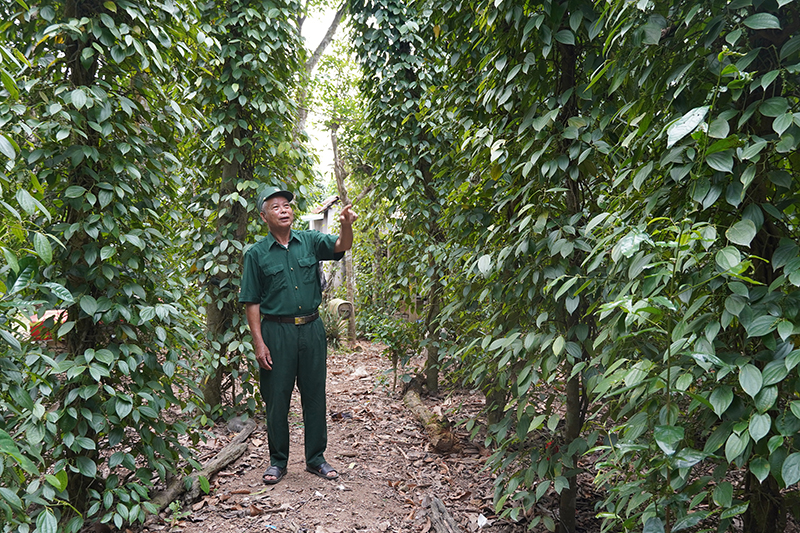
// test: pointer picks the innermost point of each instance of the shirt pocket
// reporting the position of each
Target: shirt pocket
(309, 272)
(275, 278)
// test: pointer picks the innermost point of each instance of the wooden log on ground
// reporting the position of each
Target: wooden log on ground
(441, 520)
(232, 451)
(439, 434)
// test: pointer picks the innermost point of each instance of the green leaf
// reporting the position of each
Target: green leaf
(89, 305)
(688, 457)
(7, 148)
(774, 107)
(668, 437)
(485, 264)
(736, 510)
(106, 252)
(690, 520)
(59, 291)
(86, 466)
(10, 497)
(26, 201)
(735, 445)
(718, 129)
(123, 408)
(558, 345)
(642, 174)
(765, 399)
(728, 259)
(42, 246)
(760, 468)
(722, 161)
(791, 46)
(58, 481)
(761, 326)
(750, 379)
(46, 522)
(723, 494)
(565, 37)
(205, 486)
(8, 447)
(790, 471)
(11, 259)
(653, 525)
(785, 330)
(759, 426)
(774, 372)
(685, 125)
(10, 339)
(74, 191)
(782, 123)
(762, 21)
(65, 328)
(78, 98)
(9, 84)
(742, 233)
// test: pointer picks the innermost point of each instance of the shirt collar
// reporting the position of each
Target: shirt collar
(272, 242)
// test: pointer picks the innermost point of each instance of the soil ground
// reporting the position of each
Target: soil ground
(388, 473)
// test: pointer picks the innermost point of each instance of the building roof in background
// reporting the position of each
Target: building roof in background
(326, 204)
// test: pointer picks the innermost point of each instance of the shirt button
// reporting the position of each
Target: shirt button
(295, 288)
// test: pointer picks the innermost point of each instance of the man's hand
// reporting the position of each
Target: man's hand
(345, 240)
(263, 356)
(347, 216)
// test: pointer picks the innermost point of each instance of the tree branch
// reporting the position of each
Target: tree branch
(311, 64)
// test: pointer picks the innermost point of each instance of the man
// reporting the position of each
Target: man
(281, 290)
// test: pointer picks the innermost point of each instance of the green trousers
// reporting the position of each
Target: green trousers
(299, 354)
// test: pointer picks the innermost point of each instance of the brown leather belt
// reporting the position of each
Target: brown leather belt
(296, 320)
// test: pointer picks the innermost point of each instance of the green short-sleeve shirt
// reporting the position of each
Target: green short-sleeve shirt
(285, 280)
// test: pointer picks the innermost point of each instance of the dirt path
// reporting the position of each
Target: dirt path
(387, 472)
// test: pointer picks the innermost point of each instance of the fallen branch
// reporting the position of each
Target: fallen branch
(439, 434)
(234, 449)
(441, 520)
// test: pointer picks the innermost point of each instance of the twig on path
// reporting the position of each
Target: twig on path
(441, 438)
(234, 449)
(441, 519)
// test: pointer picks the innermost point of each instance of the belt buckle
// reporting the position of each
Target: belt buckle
(298, 321)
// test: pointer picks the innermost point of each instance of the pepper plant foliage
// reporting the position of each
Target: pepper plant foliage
(90, 128)
(247, 138)
(620, 222)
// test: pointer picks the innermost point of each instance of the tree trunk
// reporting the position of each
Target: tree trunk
(85, 334)
(311, 64)
(339, 172)
(573, 421)
(572, 429)
(432, 335)
(767, 510)
(377, 280)
(222, 305)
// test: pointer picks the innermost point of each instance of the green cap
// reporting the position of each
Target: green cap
(268, 192)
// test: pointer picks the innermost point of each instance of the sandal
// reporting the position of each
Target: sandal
(322, 471)
(273, 471)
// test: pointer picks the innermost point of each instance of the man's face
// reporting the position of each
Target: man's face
(277, 213)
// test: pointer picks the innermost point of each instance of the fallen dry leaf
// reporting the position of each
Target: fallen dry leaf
(255, 510)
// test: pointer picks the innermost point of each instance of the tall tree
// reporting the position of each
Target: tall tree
(97, 126)
(399, 63)
(247, 142)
